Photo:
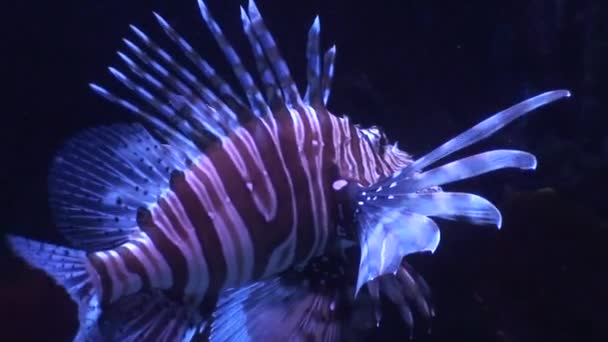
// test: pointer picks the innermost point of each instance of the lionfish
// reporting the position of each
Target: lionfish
(261, 217)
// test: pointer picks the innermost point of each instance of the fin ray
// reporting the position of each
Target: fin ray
(269, 46)
(313, 94)
(473, 166)
(149, 316)
(253, 94)
(169, 133)
(483, 129)
(272, 91)
(169, 107)
(387, 236)
(392, 213)
(158, 79)
(276, 309)
(194, 87)
(464, 168)
(328, 73)
(449, 205)
(196, 96)
(70, 269)
(101, 177)
(225, 90)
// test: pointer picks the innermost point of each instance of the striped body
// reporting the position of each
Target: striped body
(226, 214)
(254, 205)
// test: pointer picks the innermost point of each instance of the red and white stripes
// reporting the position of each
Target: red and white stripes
(254, 205)
(258, 200)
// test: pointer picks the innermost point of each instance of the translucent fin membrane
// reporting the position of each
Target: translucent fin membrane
(277, 309)
(328, 73)
(313, 90)
(393, 214)
(70, 269)
(226, 92)
(486, 128)
(271, 88)
(462, 169)
(389, 235)
(253, 94)
(101, 177)
(279, 67)
(448, 205)
(149, 316)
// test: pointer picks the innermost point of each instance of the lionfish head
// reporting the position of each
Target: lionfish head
(391, 156)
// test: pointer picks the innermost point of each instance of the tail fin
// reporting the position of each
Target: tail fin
(70, 268)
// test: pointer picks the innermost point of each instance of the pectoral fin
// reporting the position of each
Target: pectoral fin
(389, 235)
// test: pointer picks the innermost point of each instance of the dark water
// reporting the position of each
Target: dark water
(425, 70)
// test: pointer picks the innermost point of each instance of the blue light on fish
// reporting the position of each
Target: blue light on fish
(221, 214)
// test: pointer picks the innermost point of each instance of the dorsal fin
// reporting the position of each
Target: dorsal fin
(313, 55)
(328, 73)
(271, 50)
(254, 96)
(187, 105)
(271, 88)
(225, 91)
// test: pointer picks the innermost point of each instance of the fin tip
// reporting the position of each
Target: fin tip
(316, 24)
(163, 23)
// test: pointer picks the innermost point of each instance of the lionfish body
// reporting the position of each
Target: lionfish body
(249, 218)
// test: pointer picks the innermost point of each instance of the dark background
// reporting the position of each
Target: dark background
(424, 70)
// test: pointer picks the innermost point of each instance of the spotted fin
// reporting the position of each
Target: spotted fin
(393, 215)
(101, 177)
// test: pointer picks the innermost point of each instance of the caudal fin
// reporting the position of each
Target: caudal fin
(70, 268)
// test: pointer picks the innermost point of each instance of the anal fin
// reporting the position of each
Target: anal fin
(304, 305)
(316, 304)
(149, 316)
